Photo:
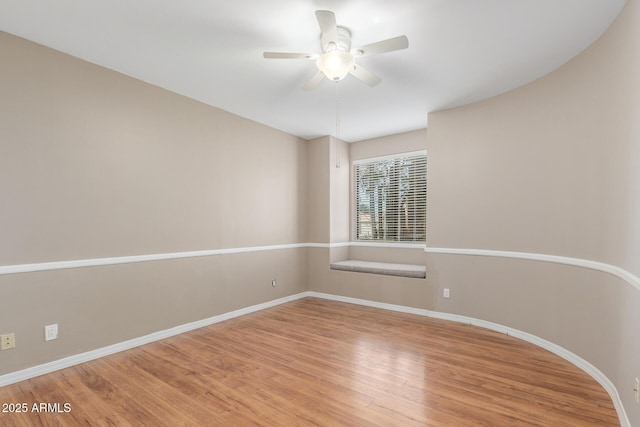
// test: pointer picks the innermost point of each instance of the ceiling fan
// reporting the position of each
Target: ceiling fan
(337, 58)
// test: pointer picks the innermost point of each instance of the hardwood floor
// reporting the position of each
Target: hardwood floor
(318, 362)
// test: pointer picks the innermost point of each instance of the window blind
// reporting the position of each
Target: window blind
(391, 198)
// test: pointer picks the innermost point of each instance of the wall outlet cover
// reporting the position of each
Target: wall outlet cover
(7, 341)
(51, 332)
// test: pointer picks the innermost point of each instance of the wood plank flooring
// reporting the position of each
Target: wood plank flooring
(318, 362)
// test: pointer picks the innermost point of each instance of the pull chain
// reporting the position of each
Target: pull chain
(337, 148)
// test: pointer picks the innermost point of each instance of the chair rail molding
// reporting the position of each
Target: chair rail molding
(621, 273)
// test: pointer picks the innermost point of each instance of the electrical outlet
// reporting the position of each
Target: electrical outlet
(273, 283)
(446, 293)
(7, 341)
(51, 332)
(636, 390)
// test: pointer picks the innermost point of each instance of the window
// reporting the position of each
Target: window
(391, 198)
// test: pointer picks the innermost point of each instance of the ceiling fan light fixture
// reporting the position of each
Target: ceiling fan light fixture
(337, 59)
(336, 64)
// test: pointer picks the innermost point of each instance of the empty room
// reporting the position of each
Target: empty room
(358, 213)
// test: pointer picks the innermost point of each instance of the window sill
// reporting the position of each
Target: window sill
(388, 269)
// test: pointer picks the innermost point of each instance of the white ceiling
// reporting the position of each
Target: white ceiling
(460, 51)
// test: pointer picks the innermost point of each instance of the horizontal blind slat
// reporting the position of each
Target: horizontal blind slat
(391, 198)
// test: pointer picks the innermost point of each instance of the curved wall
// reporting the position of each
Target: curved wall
(550, 168)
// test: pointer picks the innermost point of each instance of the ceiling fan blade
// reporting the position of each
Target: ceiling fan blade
(328, 27)
(366, 76)
(290, 55)
(317, 78)
(388, 45)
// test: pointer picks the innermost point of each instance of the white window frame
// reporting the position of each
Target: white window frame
(415, 229)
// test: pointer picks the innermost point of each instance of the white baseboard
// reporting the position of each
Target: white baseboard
(77, 359)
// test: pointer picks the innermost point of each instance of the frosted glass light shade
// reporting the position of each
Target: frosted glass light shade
(336, 65)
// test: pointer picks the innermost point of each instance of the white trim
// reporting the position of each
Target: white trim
(547, 345)
(323, 245)
(46, 368)
(59, 265)
(369, 244)
(623, 274)
(399, 245)
(94, 262)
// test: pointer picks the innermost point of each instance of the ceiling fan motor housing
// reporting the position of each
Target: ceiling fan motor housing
(344, 41)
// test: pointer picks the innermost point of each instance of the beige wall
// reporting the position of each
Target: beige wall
(339, 170)
(387, 145)
(121, 167)
(96, 164)
(318, 190)
(510, 178)
(550, 168)
(618, 103)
